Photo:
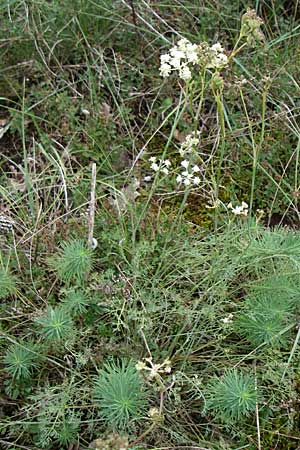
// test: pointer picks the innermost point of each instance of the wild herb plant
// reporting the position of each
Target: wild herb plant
(197, 155)
(8, 283)
(51, 416)
(20, 361)
(266, 319)
(232, 396)
(119, 394)
(76, 301)
(74, 262)
(55, 325)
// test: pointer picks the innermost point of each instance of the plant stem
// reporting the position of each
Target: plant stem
(257, 150)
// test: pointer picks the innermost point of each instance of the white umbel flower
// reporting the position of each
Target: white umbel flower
(154, 167)
(241, 210)
(182, 44)
(176, 53)
(185, 73)
(228, 319)
(192, 53)
(218, 58)
(191, 141)
(165, 70)
(158, 165)
(217, 48)
(165, 58)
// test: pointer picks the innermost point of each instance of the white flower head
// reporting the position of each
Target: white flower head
(196, 168)
(189, 143)
(154, 167)
(165, 70)
(215, 204)
(152, 159)
(179, 179)
(185, 163)
(176, 57)
(227, 319)
(187, 182)
(140, 366)
(165, 58)
(176, 53)
(238, 210)
(217, 48)
(176, 63)
(182, 44)
(153, 412)
(165, 170)
(196, 180)
(220, 61)
(193, 141)
(218, 57)
(192, 53)
(154, 371)
(185, 73)
(241, 210)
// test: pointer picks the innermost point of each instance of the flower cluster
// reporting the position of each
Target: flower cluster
(228, 319)
(218, 59)
(214, 204)
(160, 165)
(188, 152)
(250, 27)
(241, 210)
(155, 370)
(188, 176)
(179, 58)
(184, 55)
(155, 415)
(190, 142)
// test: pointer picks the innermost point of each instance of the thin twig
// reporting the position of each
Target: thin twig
(140, 36)
(92, 208)
(10, 444)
